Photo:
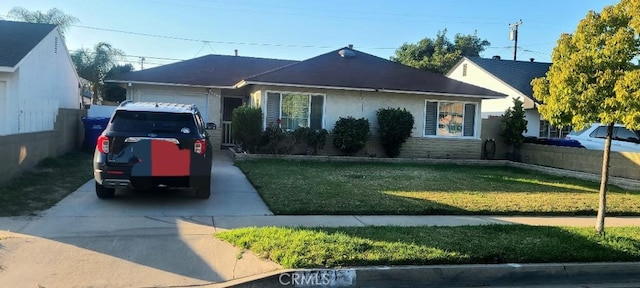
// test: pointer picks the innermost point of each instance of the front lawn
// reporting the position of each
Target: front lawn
(308, 187)
(361, 246)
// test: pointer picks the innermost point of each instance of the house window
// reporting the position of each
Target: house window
(464, 69)
(549, 131)
(450, 119)
(295, 110)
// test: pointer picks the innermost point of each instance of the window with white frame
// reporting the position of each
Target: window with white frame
(549, 131)
(450, 119)
(295, 110)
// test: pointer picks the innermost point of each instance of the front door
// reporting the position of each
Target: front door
(228, 104)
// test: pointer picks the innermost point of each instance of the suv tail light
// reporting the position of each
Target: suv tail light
(200, 146)
(103, 144)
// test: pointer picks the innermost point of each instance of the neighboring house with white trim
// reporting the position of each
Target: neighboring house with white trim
(37, 77)
(318, 91)
(512, 78)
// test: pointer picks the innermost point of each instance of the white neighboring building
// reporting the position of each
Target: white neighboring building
(37, 77)
(512, 78)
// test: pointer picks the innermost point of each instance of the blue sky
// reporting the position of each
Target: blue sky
(164, 31)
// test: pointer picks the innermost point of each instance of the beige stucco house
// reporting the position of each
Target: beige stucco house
(340, 83)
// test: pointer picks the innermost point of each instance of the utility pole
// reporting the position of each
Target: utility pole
(142, 63)
(513, 36)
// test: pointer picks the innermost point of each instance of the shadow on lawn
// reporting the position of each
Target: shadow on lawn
(490, 244)
(317, 188)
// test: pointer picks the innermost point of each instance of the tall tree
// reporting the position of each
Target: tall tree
(439, 54)
(93, 65)
(112, 91)
(52, 16)
(592, 79)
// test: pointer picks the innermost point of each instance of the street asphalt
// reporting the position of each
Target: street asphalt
(166, 240)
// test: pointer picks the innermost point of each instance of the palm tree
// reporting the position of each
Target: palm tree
(94, 65)
(52, 16)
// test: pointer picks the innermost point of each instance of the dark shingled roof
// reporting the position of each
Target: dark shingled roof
(365, 71)
(18, 38)
(517, 74)
(210, 70)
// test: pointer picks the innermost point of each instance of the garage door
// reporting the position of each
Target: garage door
(176, 97)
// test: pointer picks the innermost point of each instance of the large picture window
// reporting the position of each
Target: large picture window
(295, 110)
(450, 119)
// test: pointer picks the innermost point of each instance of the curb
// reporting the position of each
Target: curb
(447, 275)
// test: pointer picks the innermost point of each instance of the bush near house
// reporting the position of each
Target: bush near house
(394, 127)
(276, 140)
(350, 134)
(247, 126)
(303, 140)
(513, 125)
(312, 139)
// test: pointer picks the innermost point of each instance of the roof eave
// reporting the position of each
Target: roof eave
(245, 83)
(168, 84)
(8, 69)
(446, 94)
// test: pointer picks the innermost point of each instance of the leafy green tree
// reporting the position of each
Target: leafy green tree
(394, 127)
(94, 65)
(112, 91)
(592, 79)
(52, 16)
(439, 54)
(513, 125)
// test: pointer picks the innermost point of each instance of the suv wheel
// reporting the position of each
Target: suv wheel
(204, 191)
(103, 192)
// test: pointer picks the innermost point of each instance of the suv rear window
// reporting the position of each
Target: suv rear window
(153, 122)
(624, 134)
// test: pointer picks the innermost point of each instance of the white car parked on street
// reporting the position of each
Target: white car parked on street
(623, 139)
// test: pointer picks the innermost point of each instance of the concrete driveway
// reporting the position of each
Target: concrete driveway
(133, 240)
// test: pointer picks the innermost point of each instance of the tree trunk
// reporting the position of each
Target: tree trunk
(602, 207)
(94, 97)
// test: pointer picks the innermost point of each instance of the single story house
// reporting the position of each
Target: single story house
(318, 91)
(37, 77)
(512, 78)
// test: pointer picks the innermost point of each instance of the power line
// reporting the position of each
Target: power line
(202, 40)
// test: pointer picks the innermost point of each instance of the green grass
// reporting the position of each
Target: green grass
(41, 187)
(307, 187)
(361, 246)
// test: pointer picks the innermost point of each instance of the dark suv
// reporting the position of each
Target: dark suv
(149, 145)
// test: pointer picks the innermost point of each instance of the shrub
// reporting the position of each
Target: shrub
(513, 125)
(247, 126)
(313, 139)
(394, 127)
(350, 134)
(276, 140)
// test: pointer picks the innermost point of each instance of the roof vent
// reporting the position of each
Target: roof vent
(532, 59)
(497, 57)
(347, 53)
